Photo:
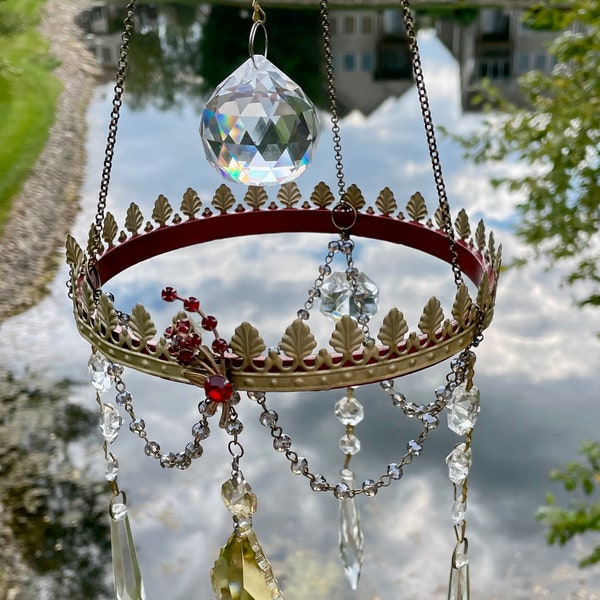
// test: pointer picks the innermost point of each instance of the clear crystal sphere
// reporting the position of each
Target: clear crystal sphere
(259, 127)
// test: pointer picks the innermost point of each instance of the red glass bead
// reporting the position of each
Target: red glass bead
(191, 304)
(169, 294)
(183, 326)
(218, 388)
(209, 323)
(185, 356)
(219, 346)
(169, 332)
(193, 340)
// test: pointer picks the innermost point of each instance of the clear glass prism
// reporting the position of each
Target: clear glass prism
(349, 411)
(459, 587)
(110, 422)
(98, 367)
(351, 539)
(126, 570)
(259, 127)
(338, 298)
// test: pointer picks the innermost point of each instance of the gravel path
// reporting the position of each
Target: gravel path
(33, 238)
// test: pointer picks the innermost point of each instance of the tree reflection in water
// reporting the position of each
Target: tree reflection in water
(54, 536)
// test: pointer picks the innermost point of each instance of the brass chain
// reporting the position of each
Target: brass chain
(333, 108)
(431, 140)
(115, 114)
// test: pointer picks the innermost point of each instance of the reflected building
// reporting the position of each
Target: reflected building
(371, 58)
(496, 46)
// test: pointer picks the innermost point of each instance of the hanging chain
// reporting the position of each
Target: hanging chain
(333, 108)
(431, 141)
(112, 131)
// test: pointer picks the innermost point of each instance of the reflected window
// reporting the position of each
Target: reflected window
(349, 62)
(522, 62)
(349, 24)
(366, 24)
(366, 61)
(540, 62)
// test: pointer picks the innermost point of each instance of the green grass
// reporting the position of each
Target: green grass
(28, 96)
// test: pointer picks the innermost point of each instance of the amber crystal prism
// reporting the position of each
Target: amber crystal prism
(242, 572)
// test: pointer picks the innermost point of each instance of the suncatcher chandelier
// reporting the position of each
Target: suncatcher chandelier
(259, 128)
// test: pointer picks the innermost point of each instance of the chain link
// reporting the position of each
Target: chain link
(111, 140)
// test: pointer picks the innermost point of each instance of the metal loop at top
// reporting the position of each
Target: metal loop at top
(343, 216)
(253, 31)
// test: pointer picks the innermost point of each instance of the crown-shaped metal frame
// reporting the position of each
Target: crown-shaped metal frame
(294, 365)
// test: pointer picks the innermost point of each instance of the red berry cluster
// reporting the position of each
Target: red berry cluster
(184, 339)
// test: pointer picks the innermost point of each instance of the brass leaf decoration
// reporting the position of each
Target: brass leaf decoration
(461, 309)
(223, 199)
(162, 210)
(246, 341)
(416, 207)
(480, 236)
(190, 205)
(141, 324)
(110, 229)
(134, 219)
(92, 242)
(322, 196)
(106, 317)
(393, 329)
(298, 341)
(354, 197)
(87, 299)
(432, 317)
(492, 245)
(439, 217)
(256, 196)
(75, 256)
(289, 194)
(347, 336)
(386, 203)
(462, 225)
(484, 296)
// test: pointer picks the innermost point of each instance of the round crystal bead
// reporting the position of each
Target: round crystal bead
(268, 418)
(319, 483)
(341, 491)
(299, 466)
(234, 427)
(303, 314)
(349, 444)
(152, 449)
(430, 421)
(167, 461)
(414, 447)
(324, 270)
(349, 410)
(282, 443)
(183, 460)
(137, 425)
(395, 471)
(259, 127)
(256, 396)
(201, 430)
(194, 449)
(123, 398)
(369, 487)
(398, 399)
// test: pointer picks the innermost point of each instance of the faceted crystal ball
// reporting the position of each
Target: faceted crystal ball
(259, 127)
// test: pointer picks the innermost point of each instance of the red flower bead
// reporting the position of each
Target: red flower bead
(185, 356)
(169, 332)
(218, 388)
(219, 346)
(209, 323)
(191, 304)
(169, 294)
(184, 326)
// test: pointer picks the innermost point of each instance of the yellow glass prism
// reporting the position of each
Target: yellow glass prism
(242, 572)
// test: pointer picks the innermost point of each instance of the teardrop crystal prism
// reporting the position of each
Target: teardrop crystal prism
(242, 572)
(459, 587)
(126, 570)
(110, 422)
(259, 127)
(351, 539)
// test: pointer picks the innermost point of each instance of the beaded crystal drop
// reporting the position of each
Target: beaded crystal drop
(98, 367)
(352, 543)
(259, 127)
(459, 462)
(110, 422)
(463, 409)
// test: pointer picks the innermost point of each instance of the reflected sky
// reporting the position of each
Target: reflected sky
(537, 371)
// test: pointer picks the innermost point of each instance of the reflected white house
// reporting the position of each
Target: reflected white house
(371, 58)
(497, 46)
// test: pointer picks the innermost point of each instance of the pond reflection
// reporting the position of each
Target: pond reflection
(538, 379)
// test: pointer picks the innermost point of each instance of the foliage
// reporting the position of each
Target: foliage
(28, 95)
(558, 136)
(580, 516)
(53, 523)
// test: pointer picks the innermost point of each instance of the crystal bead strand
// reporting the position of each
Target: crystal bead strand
(127, 576)
(350, 412)
(462, 411)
